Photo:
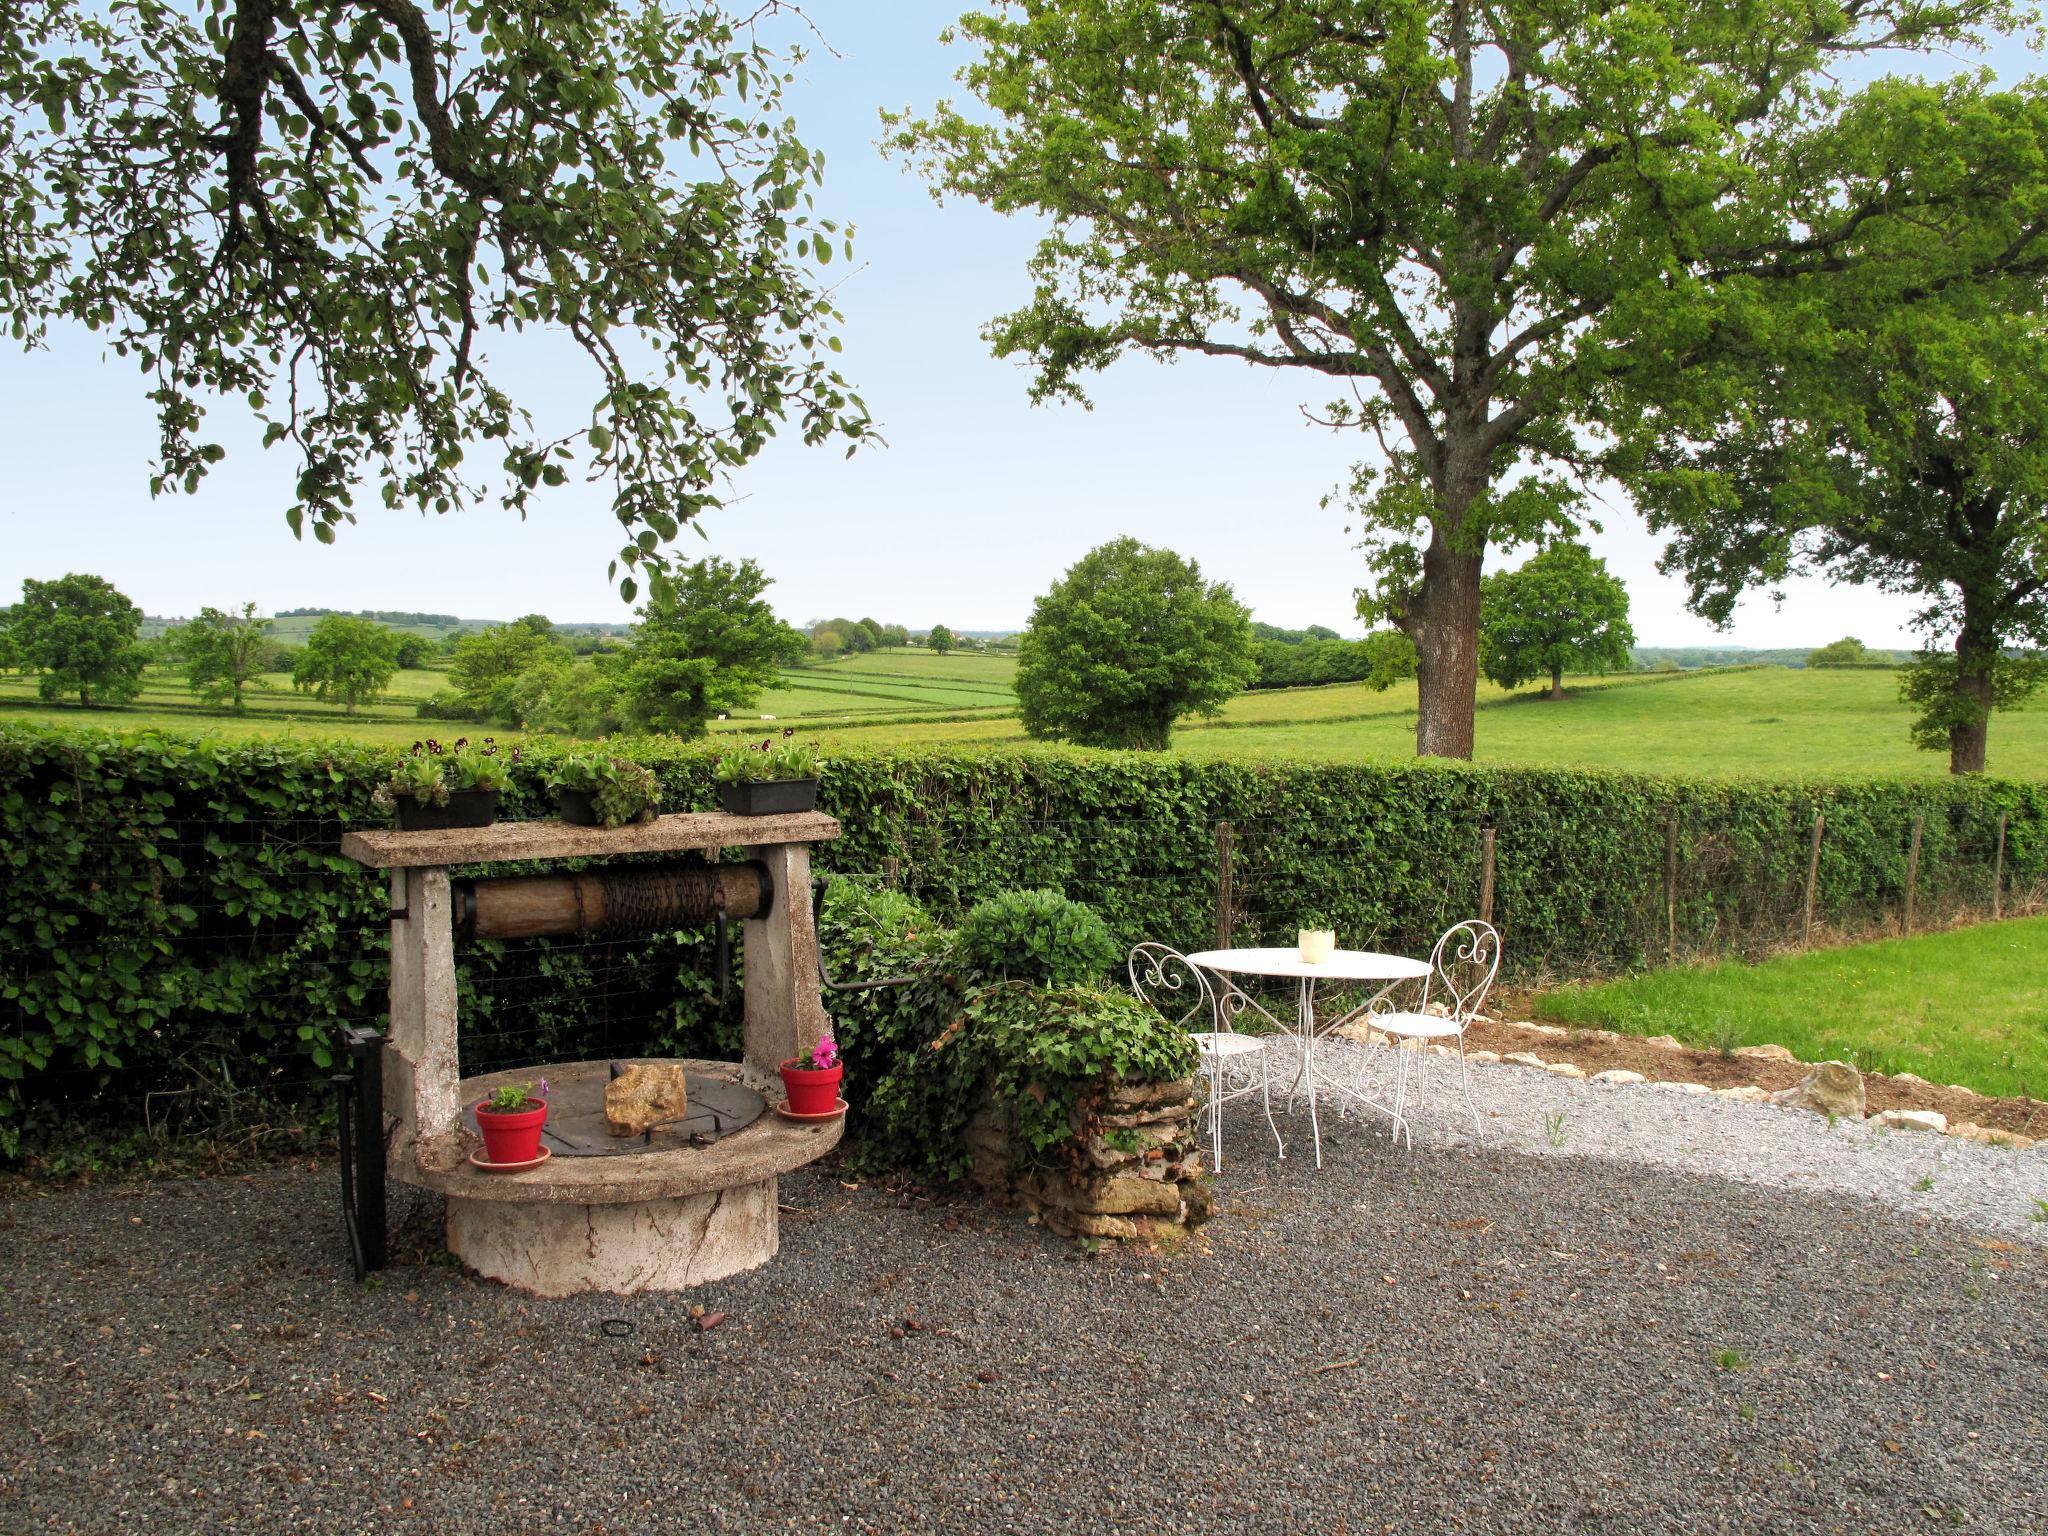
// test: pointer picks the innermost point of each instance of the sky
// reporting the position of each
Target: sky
(979, 501)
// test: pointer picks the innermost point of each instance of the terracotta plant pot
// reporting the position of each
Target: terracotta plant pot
(465, 808)
(811, 1090)
(769, 797)
(1317, 945)
(512, 1136)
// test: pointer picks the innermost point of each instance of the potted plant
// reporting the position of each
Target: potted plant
(511, 1120)
(595, 789)
(777, 775)
(813, 1085)
(431, 788)
(1317, 938)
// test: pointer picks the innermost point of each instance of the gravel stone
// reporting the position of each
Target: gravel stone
(1693, 1315)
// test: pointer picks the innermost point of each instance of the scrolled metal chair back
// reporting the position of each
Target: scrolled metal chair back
(1462, 968)
(1165, 978)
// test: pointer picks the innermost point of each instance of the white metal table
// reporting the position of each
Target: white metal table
(1343, 965)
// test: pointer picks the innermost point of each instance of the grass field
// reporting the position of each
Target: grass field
(274, 710)
(1764, 722)
(1968, 1006)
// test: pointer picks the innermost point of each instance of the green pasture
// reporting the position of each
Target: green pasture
(274, 709)
(1762, 722)
(1968, 1006)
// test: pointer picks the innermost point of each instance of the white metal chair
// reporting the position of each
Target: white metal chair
(1461, 972)
(1165, 979)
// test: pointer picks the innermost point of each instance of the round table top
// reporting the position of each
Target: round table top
(1343, 964)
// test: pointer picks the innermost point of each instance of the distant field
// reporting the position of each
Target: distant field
(274, 711)
(1762, 722)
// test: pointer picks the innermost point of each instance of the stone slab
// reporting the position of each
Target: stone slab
(512, 840)
(763, 1150)
(624, 1250)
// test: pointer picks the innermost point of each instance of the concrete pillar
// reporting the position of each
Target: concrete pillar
(421, 1068)
(784, 1013)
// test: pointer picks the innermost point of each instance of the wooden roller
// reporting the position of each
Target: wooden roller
(621, 901)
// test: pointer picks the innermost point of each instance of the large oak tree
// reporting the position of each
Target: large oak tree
(1468, 213)
(323, 210)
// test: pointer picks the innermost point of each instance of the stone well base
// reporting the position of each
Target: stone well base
(560, 1249)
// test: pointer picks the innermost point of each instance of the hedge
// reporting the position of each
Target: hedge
(178, 929)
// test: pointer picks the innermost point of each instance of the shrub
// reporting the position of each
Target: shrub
(1037, 936)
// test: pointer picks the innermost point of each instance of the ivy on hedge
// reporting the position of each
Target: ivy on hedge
(175, 915)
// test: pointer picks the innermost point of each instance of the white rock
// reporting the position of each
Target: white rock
(1669, 1042)
(1911, 1120)
(1911, 1079)
(1485, 1058)
(1748, 1093)
(1524, 1059)
(1765, 1052)
(1990, 1136)
(1619, 1075)
(1554, 1031)
(1959, 1088)
(1564, 1069)
(1686, 1087)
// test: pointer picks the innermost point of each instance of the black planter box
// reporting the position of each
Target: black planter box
(769, 797)
(465, 808)
(578, 806)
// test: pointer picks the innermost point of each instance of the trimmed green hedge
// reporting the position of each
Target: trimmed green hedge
(175, 919)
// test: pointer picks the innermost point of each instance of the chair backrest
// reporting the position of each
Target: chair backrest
(1164, 977)
(1462, 968)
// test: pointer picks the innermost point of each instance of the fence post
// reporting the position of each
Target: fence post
(1820, 821)
(1671, 889)
(1998, 872)
(892, 871)
(1913, 867)
(1225, 837)
(1486, 875)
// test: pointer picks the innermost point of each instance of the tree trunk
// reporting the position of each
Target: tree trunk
(1446, 637)
(1557, 682)
(1967, 736)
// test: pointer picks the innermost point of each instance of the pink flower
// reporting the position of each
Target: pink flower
(825, 1054)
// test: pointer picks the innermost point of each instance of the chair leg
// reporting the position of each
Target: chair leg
(1465, 1081)
(1216, 1113)
(1266, 1093)
(1399, 1128)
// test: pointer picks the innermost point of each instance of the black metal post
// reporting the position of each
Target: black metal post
(362, 1149)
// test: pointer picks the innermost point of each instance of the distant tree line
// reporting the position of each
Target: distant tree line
(377, 616)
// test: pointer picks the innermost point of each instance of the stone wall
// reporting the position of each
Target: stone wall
(1135, 1166)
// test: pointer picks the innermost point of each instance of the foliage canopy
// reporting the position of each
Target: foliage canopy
(1468, 220)
(323, 212)
(1559, 611)
(81, 633)
(1129, 640)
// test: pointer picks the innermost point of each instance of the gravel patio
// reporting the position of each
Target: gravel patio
(1533, 1335)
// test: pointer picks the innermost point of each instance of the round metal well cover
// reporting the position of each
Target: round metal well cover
(718, 1107)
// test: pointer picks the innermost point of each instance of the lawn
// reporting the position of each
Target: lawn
(1968, 1006)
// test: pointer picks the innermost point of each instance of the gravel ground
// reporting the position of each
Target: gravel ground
(1454, 1340)
(1993, 1189)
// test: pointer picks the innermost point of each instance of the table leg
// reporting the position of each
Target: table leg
(1308, 1060)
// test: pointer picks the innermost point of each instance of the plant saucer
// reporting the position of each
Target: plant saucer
(838, 1108)
(478, 1160)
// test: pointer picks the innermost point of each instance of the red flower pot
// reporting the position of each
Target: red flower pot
(512, 1136)
(811, 1090)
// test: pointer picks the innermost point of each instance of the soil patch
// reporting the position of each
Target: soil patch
(1598, 1050)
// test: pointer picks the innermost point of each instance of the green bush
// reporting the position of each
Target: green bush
(1037, 936)
(176, 920)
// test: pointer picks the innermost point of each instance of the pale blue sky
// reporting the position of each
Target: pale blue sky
(977, 504)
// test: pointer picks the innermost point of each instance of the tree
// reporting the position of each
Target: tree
(323, 210)
(941, 639)
(81, 634)
(1560, 611)
(414, 652)
(1469, 218)
(1893, 433)
(828, 643)
(223, 653)
(1129, 640)
(487, 667)
(708, 642)
(1846, 652)
(346, 659)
